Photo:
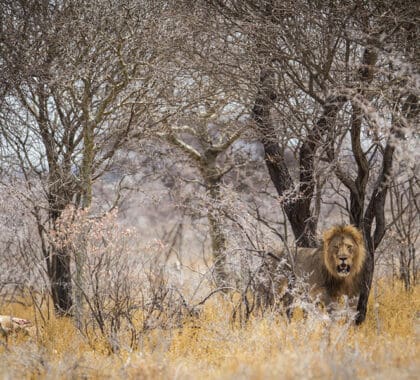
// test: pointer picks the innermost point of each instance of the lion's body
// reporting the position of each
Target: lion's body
(333, 269)
(309, 265)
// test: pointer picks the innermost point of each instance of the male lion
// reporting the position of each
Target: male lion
(331, 270)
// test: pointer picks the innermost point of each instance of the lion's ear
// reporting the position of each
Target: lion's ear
(328, 235)
(355, 233)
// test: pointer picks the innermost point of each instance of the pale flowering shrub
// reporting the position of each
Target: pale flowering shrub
(120, 289)
(22, 263)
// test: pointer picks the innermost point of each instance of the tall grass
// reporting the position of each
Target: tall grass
(214, 346)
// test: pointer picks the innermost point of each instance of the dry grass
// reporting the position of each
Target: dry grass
(212, 347)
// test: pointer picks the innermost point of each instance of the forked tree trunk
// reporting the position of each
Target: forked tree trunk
(298, 207)
(296, 204)
(206, 162)
(375, 210)
(60, 193)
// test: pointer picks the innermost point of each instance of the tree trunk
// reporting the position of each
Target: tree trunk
(212, 177)
(405, 263)
(86, 201)
(59, 272)
(218, 245)
(58, 257)
(297, 206)
(60, 276)
(376, 207)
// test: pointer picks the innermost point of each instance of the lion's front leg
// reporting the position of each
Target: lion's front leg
(320, 296)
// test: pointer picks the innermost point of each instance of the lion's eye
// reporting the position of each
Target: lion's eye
(349, 247)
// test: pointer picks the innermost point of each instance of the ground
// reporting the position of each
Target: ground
(214, 346)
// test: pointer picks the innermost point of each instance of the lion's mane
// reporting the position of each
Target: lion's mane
(318, 268)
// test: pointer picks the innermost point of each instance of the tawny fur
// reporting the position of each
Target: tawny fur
(340, 244)
(10, 325)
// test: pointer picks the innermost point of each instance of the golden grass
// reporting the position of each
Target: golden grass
(387, 346)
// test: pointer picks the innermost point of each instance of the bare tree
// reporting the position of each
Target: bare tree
(329, 70)
(72, 104)
(203, 117)
(333, 83)
(206, 158)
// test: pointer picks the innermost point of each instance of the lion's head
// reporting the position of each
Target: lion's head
(344, 251)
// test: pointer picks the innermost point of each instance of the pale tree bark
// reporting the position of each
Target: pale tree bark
(205, 160)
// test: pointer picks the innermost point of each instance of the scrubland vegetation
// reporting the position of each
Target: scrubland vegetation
(156, 155)
(213, 346)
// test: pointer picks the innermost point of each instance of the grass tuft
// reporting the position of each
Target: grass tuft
(387, 345)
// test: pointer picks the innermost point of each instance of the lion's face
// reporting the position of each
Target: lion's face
(344, 251)
(341, 251)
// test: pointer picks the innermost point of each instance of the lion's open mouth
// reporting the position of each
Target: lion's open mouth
(343, 270)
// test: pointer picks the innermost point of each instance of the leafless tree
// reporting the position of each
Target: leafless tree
(203, 116)
(331, 71)
(333, 84)
(85, 81)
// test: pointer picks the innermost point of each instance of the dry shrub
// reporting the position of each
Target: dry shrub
(23, 270)
(121, 290)
(211, 347)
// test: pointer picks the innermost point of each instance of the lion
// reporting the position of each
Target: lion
(331, 271)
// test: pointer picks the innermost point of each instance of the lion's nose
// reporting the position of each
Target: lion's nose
(343, 259)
